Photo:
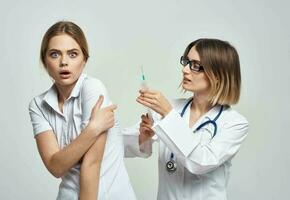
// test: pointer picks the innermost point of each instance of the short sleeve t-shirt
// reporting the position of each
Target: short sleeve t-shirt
(67, 125)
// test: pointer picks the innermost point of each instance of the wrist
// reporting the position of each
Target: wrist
(140, 139)
(143, 138)
(166, 112)
(94, 129)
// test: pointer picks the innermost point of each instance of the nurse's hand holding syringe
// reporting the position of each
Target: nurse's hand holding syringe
(157, 102)
(146, 123)
(145, 87)
(145, 129)
(153, 100)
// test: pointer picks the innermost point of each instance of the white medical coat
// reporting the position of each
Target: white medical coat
(203, 164)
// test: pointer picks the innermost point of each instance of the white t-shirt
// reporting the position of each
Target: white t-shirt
(45, 115)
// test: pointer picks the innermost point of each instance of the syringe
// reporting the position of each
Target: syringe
(145, 86)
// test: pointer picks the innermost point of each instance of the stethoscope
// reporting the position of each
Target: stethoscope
(171, 165)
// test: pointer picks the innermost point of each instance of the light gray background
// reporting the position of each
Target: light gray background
(122, 36)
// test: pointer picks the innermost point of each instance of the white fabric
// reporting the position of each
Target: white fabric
(202, 163)
(131, 143)
(45, 115)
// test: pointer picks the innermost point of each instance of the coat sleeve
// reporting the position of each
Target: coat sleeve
(131, 143)
(197, 156)
(131, 140)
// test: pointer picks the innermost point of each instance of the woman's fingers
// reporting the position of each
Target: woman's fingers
(146, 122)
(147, 130)
(151, 97)
(144, 125)
(98, 105)
(148, 95)
(146, 119)
(148, 90)
(112, 107)
(154, 100)
(99, 102)
(149, 105)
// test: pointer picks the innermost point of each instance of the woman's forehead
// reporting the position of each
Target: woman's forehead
(63, 41)
(193, 54)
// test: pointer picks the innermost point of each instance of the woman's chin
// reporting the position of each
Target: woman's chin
(185, 86)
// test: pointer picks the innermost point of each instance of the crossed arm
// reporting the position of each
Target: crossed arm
(90, 169)
(88, 146)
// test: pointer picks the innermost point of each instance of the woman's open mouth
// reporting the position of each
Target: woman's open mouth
(186, 79)
(65, 74)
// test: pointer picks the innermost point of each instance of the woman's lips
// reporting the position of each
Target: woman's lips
(65, 74)
(186, 79)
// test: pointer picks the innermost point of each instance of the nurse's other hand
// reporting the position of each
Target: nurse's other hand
(154, 100)
(145, 130)
(102, 118)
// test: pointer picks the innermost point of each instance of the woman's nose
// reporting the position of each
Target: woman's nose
(186, 69)
(63, 62)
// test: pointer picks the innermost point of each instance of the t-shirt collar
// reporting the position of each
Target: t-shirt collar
(51, 95)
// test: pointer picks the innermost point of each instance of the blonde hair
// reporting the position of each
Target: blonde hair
(222, 67)
(64, 27)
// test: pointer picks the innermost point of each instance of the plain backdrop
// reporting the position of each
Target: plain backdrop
(122, 36)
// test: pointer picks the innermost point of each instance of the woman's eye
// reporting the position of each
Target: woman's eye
(54, 54)
(196, 66)
(73, 54)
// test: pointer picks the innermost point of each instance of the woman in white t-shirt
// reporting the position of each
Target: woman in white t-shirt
(74, 125)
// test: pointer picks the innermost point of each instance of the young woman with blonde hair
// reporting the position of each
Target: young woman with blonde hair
(76, 133)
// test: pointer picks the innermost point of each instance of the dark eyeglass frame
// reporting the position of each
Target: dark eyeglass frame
(194, 65)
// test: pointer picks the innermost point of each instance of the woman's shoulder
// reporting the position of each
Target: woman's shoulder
(179, 103)
(92, 88)
(232, 115)
(92, 84)
(90, 81)
(37, 100)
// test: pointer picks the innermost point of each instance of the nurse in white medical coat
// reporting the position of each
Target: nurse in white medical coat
(198, 136)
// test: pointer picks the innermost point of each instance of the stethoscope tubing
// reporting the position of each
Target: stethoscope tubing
(213, 122)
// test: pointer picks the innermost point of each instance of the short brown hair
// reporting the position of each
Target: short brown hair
(64, 27)
(222, 66)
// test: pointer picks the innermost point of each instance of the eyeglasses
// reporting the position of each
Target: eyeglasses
(194, 65)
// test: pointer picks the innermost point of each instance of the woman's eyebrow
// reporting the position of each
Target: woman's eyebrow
(54, 50)
(74, 49)
(193, 60)
(57, 50)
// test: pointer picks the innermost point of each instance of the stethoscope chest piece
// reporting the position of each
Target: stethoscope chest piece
(171, 166)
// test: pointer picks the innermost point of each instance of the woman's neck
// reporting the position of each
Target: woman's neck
(200, 105)
(64, 92)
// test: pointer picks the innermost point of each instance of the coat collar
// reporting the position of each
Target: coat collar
(210, 115)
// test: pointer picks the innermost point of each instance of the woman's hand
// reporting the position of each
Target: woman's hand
(145, 130)
(154, 100)
(102, 118)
